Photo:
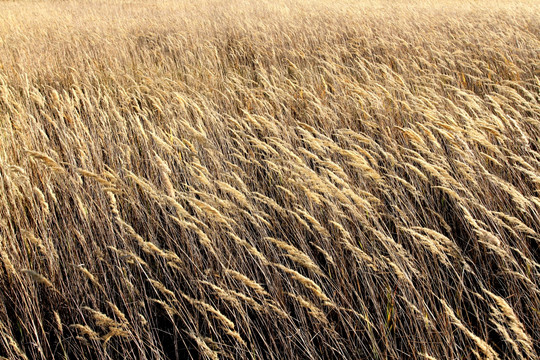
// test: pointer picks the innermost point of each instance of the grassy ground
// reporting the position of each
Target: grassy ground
(269, 179)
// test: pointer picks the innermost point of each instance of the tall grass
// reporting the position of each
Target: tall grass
(269, 179)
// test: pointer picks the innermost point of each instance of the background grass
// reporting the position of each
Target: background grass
(269, 179)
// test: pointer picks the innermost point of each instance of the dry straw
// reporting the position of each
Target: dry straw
(269, 179)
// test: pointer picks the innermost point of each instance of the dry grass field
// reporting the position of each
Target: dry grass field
(288, 179)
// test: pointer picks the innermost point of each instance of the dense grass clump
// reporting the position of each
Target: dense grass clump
(265, 179)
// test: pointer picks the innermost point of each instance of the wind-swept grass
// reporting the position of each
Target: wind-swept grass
(269, 179)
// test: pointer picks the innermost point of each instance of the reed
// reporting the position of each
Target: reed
(298, 179)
